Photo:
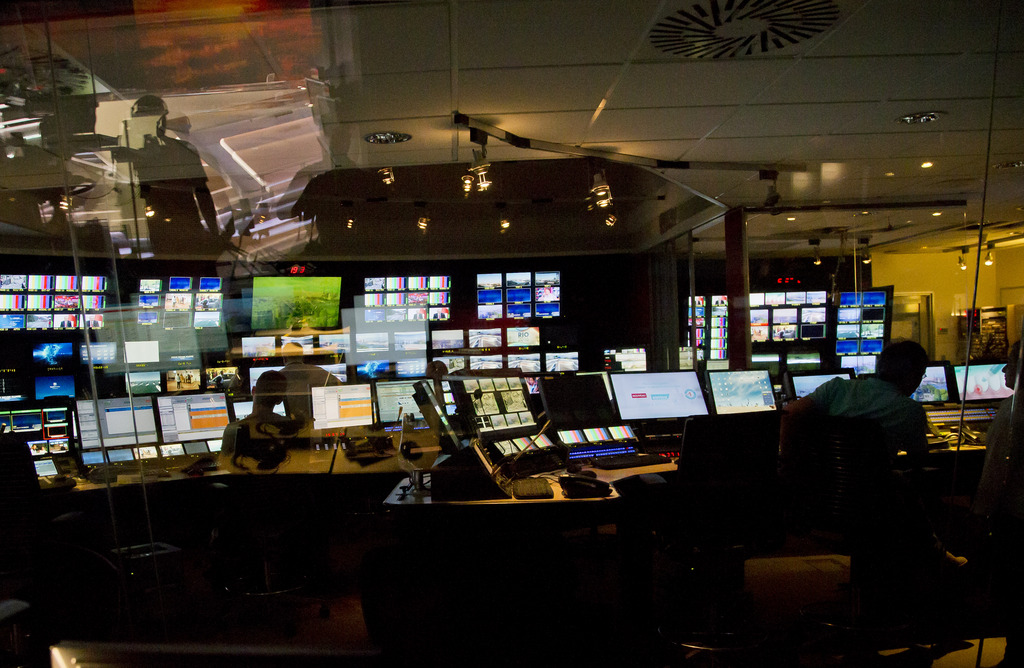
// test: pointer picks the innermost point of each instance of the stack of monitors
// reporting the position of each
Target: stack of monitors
(860, 329)
(518, 295)
(695, 317)
(48, 301)
(46, 428)
(407, 298)
(788, 316)
(718, 328)
(183, 305)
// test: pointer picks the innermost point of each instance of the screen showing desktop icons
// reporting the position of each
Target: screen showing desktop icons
(741, 391)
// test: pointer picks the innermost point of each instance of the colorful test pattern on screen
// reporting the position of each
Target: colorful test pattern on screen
(407, 298)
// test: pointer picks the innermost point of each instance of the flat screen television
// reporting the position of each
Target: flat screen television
(655, 395)
(741, 391)
(284, 302)
(116, 421)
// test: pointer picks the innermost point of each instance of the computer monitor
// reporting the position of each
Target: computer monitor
(495, 404)
(242, 408)
(802, 384)
(938, 385)
(340, 406)
(116, 421)
(572, 401)
(741, 391)
(394, 396)
(984, 382)
(653, 395)
(192, 417)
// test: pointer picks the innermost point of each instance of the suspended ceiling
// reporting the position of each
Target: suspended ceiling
(715, 90)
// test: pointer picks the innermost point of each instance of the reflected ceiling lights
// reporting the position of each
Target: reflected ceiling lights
(388, 137)
(387, 175)
(1016, 164)
(919, 117)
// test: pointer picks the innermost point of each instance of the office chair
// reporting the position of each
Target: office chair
(846, 495)
(269, 540)
(726, 505)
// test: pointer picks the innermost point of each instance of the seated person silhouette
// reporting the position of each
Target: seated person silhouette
(301, 377)
(259, 443)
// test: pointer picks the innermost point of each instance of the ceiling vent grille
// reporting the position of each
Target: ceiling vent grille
(714, 29)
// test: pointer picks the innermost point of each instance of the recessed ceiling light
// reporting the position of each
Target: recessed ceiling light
(936, 213)
(388, 137)
(890, 173)
(1016, 164)
(791, 218)
(919, 117)
(926, 164)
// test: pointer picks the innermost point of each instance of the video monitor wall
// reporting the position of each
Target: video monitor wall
(518, 295)
(788, 316)
(180, 302)
(52, 301)
(407, 298)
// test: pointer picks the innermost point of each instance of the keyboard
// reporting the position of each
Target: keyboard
(628, 461)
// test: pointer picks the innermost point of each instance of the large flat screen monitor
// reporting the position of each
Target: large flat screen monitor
(121, 421)
(192, 417)
(985, 382)
(650, 396)
(575, 402)
(342, 406)
(741, 391)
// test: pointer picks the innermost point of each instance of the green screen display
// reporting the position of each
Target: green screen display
(286, 302)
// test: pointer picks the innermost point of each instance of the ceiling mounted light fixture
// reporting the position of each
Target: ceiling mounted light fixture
(467, 184)
(927, 164)
(387, 137)
(611, 219)
(864, 241)
(350, 223)
(387, 175)
(816, 243)
(960, 263)
(919, 117)
(479, 168)
(423, 223)
(989, 260)
(600, 192)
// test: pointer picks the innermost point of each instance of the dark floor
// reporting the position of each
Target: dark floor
(550, 599)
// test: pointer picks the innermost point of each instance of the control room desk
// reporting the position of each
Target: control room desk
(546, 576)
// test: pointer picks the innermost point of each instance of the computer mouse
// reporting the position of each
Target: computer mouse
(587, 472)
(583, 487)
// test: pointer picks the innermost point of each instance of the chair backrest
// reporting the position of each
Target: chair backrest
(844, 475)
(728, 490)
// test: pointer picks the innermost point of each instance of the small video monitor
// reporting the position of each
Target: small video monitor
(982, 382)
(179, 283)
(802, 384)
(847, 347)
(937, 386)
(151, 285)
(871, 346)
(849, 299)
